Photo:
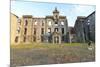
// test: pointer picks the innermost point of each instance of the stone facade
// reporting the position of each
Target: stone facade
(89, 27)
(79, 29)
(15, 29)
(85, 28)
(50, 29)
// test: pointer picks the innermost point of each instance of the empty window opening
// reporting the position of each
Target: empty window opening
(42, 30)
(35, 22)
(62, 23)
(56, 22)
(25, 31)
(49, 23)
(34, 31)
(34, 39)
(56, 29)
(56, 16)
(24, 39)
(62, 30)
(16, 39)
(42, 23)
(18, 30)
(26, 22)
(41, 38)
(49, 30)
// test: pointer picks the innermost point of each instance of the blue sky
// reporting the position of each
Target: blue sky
(40, 9)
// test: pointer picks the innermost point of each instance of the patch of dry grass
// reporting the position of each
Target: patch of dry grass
(44, 45)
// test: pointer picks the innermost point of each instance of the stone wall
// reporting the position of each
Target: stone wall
(85, 28)
(89, 27)
(14, 29)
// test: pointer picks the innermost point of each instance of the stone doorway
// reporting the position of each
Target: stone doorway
(56, 38)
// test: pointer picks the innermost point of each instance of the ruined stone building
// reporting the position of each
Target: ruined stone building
(29, 29)
(89, 27)
(79, 29)
(14, 29)
(85, 28)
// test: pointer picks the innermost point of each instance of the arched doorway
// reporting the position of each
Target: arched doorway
(56, 38)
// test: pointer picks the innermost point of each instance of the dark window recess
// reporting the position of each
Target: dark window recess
(42, 23)
(34, 31)
(26, 22)
(56, 22)
(34, 38)
(56, 16)
(62, 30)
(24, 39)
(42, 38)
(49, 39)
(42, 30)
(18, 31)
(56, 30)
(16, 39)
(25, 31)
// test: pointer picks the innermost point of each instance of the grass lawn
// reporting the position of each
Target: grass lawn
(46, 53)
